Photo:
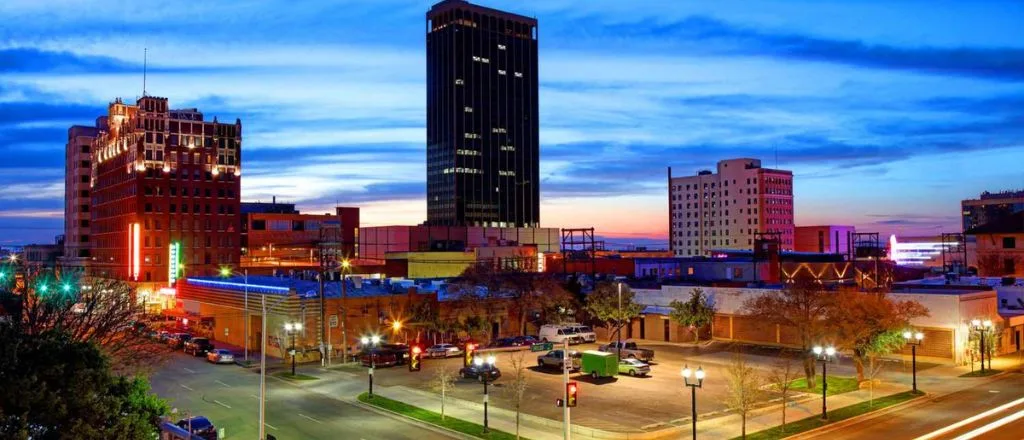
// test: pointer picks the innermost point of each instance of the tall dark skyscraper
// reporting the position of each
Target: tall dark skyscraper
(483, 146)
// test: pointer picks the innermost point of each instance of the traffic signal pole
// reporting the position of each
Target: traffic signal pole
(566, 365)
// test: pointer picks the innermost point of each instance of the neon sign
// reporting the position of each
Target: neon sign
(172, 262)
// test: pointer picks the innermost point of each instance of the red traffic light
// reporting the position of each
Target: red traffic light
(571, 394)
(416, 349)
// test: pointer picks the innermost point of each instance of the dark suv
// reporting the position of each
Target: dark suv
(198, 346)
(199, 426)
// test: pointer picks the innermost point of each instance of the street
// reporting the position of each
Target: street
(997, 405)
(229, 396)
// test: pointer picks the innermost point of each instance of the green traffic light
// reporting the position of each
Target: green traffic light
(43, 288)
(66, 287)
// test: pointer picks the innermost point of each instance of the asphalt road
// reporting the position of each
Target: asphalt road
(623, 403)
(229, 396)
(997, 406)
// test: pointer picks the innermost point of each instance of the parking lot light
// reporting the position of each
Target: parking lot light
(825, 356)
(914, 339)
(697, 383)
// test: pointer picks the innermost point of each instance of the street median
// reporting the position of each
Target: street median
(449, 423)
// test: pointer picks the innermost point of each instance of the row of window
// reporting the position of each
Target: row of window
(173, 208)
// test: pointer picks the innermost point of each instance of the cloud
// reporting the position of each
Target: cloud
(32, 213)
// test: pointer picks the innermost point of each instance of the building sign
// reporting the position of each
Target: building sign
(172, 262)
(334, 321)
(133, 254)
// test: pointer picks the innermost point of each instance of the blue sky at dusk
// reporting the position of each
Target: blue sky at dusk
(888, 114)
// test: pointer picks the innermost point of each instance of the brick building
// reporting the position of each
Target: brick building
(276, 235)
(164, 193)
(77, 173)
(728, 209)
(1000, 246)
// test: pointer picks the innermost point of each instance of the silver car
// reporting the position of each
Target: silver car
(220, 356)
(443, 351)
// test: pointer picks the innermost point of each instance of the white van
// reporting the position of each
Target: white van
(558, 334)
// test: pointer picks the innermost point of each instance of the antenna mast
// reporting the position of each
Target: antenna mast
(145, 53)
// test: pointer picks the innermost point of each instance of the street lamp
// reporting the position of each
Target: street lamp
(825, 356)
(485, 377)
(367, 341)
(396, 326)
(914, 339)
(225, 271)
(345, 265)
(293, 328)
(698, 383)
(981, 327)
(618, 334)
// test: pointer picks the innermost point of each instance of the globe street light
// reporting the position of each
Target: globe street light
(293, 328)
(914, 339)
(825, 356)
(485, 376)
(697, 383)
(371, 341)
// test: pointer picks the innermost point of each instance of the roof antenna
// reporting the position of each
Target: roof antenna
(145, 57)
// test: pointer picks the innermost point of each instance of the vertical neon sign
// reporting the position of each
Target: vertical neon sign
(172, 263)
(135, 251)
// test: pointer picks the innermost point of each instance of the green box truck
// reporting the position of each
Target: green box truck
(599, 364)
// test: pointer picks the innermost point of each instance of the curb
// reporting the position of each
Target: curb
(403, 417)
(919, 400)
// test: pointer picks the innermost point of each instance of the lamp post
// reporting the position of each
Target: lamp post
(697, 383)
(367, 341)
(618, 334)
(981, 327)
(825, 356)
(293, 328)
(914, 339)
(396, 326)
(344, 312)
(485, 376)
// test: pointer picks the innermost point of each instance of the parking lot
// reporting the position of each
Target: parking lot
(618, 404)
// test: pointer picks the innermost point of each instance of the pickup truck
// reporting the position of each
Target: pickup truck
(629, 350)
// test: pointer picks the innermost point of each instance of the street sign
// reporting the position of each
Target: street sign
(543, 346)
(334, 321)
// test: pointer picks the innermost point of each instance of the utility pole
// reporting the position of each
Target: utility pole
(323, 317)
(246, 316)
(566, 366)
(263, 367)
(618, 333)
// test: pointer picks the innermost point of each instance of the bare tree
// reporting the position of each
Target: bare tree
(516, 388)
(444, 380)
(781, 376)
(96, 310)
(744, 389)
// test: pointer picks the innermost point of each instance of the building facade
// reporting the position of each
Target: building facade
(274, 235)
(730, 208)
(1000, 246)
(483, 139)
(990, 207)
(829, 239)
(165, 193)
(77, 173)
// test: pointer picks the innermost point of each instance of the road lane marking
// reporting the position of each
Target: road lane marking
(186, 387)
(970, 420)
(270, 426)
(222, 383)
(308, 417)
(221, 404)
(991, 426)
(189, 370)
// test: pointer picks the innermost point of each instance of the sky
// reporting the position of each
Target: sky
(887, 113)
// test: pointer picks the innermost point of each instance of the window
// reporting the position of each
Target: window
(467, 109)
(1009, 242)
(1008, 266)
(459, 82)
(501, 47)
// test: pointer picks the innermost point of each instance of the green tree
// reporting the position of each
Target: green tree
(57, 387)
(604, 306)
(696, 313)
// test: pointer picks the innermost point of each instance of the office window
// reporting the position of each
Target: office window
(1009, 242)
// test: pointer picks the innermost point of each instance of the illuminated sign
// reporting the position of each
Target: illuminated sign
(540, 262)
(172, 262)
(133, 250)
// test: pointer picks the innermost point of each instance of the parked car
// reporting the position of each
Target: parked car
(634, 367)
(629, 350)
(502, 343)
(178, 340)
(220, 356)
(524, 341)
(381, 358)
(443, 350)
(558, 334)
(586, 333)
(401, 351)
(599, 364)
(198, 346)
(473, 371)
(554, 358)
(162, 335)
(199, 426)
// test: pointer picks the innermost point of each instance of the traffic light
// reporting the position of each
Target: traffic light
(470, 348)
(415, 352)
(570, 393)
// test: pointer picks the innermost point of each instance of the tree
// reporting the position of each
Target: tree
(57, 387)
(781, 376)
(696, 313)
(871, 324)
(516, 387)
(744, 389)
(872, 369)
(523, 291)
(444, 380)
(96, 310)
(603, 305)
